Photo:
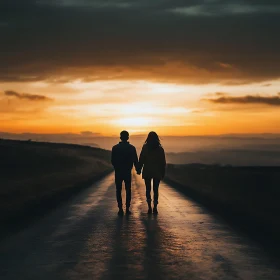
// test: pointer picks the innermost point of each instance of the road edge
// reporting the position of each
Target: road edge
(37, 209)
(259, 232)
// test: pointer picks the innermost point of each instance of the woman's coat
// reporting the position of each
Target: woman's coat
(153, 162)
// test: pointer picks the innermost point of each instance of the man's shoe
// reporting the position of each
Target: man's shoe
(120, 213)
(128, 212)
(150, 211)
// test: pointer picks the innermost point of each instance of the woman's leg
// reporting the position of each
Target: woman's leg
(148, 183)
(156, 183)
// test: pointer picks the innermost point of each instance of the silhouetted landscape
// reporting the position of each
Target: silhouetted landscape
(238, 157)
(237, 150)
(34, 171)
(38, 174)
(246, 195)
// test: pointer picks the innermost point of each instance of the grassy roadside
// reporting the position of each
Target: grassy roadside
(35, 177)
(245, 196)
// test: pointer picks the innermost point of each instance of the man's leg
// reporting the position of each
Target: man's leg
(148, 183)
(118, 181)
(127, 181)
(156, 183)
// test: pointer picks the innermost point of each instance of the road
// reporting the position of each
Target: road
(85, 239)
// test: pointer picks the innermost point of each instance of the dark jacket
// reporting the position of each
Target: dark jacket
(153, 161)
(123, 157)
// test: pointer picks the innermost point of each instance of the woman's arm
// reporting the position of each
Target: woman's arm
(141, 160)
(163, 162)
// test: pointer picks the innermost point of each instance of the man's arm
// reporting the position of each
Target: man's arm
(113, 157)
(135, 160)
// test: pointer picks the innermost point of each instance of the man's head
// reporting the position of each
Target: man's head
(124, 135)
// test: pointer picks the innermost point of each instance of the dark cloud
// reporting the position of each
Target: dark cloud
(247, 99)
(139, 39)
(261, 2)
(27, 96)
(162, 4)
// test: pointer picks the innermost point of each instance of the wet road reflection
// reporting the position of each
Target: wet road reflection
(85, 239)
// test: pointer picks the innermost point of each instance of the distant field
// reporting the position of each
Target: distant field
(247, 156)
(31, 171)
(246, 193)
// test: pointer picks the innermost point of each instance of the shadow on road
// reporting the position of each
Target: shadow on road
(153, 248)
(127, 256)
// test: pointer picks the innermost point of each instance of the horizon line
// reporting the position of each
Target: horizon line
(99, 135)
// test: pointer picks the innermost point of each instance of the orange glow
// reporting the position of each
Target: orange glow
(106, 107)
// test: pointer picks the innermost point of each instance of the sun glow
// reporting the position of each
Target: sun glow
(140, 122)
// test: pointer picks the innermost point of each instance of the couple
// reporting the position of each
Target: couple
(152, 161)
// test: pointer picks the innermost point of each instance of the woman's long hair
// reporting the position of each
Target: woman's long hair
(153, 140)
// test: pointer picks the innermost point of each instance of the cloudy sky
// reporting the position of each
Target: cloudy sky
(180, 67)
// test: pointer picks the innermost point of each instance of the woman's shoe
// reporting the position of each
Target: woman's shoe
(128, 212)
(155, 211)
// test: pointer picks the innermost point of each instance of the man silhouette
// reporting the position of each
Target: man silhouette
(124, 156)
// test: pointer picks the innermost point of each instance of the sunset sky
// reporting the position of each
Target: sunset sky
(178, 67)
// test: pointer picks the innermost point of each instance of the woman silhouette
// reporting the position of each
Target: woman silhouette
(152, 160)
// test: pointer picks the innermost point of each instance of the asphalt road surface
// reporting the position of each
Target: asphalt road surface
(85, 239)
